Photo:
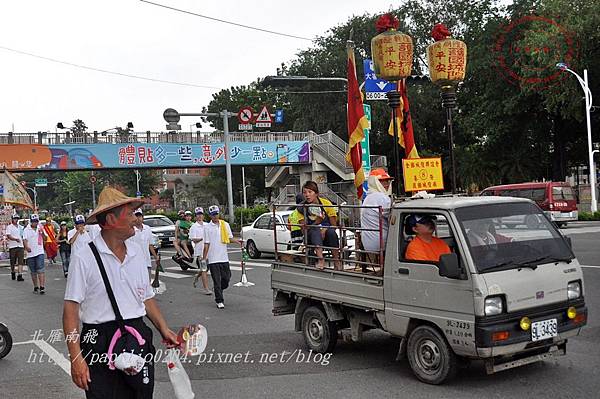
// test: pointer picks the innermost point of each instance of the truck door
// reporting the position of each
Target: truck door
(414, 289)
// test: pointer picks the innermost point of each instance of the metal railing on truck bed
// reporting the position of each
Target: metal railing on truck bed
(348, 255)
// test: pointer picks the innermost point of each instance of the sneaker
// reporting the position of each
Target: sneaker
(20, 278)
(206, 291)
(35, 290)
(66, 274)
(221, 305)
(42, 291)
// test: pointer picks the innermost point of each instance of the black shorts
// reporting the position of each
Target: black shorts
(112, 384)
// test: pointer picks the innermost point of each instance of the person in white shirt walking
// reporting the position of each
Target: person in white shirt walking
(33, 241)
(87, 301)
(197, 234)
(145, 239)
(15, 248)
(81, 234)
(217, 234)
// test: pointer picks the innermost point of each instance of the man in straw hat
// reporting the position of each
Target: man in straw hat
(86, 295)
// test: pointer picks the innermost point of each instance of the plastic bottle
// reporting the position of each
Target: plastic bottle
(179, 378)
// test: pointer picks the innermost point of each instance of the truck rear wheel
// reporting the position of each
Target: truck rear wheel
(319, 333)
(431, 358)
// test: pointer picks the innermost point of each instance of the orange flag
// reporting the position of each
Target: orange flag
(406, 137)
(357, 122)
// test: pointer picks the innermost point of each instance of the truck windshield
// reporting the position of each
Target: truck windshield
(511, 235)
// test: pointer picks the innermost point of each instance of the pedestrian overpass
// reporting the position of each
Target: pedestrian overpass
(290, 158)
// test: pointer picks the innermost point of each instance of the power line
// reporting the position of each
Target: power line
(228, 22)
(107, 71)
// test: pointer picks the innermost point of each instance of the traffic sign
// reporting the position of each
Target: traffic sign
(1, 189)
(376, 88)
(93, 179)
(245, 115)
(245, 126)
(278, 116)
(41, 182)
(138, 194)
(264, 118)
(365, 143)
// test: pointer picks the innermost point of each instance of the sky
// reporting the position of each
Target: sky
(137, 38)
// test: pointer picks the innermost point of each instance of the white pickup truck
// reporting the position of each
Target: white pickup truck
(513, 300)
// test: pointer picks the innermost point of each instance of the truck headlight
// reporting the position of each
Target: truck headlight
(493, 305)
(573, 290)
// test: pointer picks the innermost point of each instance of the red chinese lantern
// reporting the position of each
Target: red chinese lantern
(392, 51)
(447, 57)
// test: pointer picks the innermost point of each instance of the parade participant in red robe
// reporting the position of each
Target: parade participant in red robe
(50, 242)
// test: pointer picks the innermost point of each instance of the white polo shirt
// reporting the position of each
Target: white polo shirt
(89, 234)
(144, 239)
(14, 232)
(197, 231)
(217, 251)
(129, 281)
(35, 241)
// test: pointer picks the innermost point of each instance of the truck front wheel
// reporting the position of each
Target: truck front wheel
(431, 359)
(319, 333)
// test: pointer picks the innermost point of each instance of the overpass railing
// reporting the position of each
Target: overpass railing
(147, 137)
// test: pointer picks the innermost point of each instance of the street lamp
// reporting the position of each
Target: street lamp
(447, 59)
(33, 190)
(588, 107)
(392, 53)
(137, 182)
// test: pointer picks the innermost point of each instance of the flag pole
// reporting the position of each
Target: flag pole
(394, 102)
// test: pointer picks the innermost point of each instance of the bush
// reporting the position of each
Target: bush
(587, 216)
(248, 215)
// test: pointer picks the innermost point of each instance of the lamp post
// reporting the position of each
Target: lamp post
(447, 59)
(33, 190)
(172, 117)
(138, 194)
(392, 53)
(588, 108)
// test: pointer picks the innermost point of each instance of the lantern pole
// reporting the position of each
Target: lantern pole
(394, 102)
(449, 103)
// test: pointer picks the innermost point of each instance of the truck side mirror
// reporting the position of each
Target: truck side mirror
(449, 267)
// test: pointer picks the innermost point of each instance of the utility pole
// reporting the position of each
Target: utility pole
(172, 117)
(244, 186)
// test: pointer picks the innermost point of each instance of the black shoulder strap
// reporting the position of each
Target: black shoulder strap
(109, 291)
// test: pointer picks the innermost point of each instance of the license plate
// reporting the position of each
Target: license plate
(544, 329)
(171, 239)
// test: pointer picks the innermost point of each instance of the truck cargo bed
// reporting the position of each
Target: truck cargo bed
(346, 288)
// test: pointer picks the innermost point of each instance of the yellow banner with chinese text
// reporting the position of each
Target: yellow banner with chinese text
(423, 174)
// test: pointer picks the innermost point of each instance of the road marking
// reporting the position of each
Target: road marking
(256, 264)
(590, 267)
(173, 275)
(55, 355)
(52, 353)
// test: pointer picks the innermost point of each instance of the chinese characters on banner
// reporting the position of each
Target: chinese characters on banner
(423, 174)
(448, 59)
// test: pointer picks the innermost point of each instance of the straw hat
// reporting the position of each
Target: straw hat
(111, 198)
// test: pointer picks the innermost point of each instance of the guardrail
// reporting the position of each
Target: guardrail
(146, 137)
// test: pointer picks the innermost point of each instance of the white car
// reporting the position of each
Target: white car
(259, 236)
(162, 227)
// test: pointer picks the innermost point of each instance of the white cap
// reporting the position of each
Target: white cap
(79, 219)
(213, 210)
(139, 210)
(199, 210)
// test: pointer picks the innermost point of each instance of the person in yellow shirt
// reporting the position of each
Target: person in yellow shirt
(425, 246)
(320, 212)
